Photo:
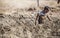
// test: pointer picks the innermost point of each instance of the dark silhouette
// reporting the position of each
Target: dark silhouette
(42, 14)
(58, 1)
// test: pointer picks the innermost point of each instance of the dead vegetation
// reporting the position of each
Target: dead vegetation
(20, 23)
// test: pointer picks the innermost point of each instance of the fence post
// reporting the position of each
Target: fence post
(37, 3)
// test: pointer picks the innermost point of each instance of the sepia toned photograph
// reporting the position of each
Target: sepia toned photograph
(29, 18)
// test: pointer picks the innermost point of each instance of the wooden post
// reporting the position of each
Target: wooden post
(37, 3)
